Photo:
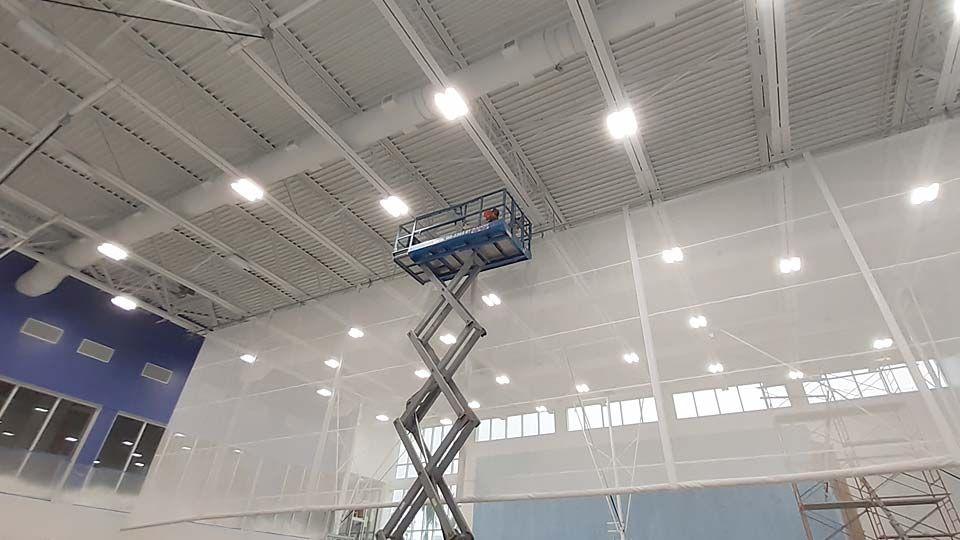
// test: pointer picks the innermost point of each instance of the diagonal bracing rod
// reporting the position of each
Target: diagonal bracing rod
(430, 485)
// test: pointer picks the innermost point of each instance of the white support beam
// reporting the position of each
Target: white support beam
(896, 332)
(230, 255)
(208, 13)
(608, 77)
(905, 64)
(48, 213)
(88, 63)
(771, 21)
(949, 72)
(80, 276)
(408, 35)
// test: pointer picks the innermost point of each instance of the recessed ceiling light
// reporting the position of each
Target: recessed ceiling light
(124, 302)
(41, 409)
(882, 343)
(448, 339)
(248, 189)
(698, 321)
(582, 388)
(795, 374)
(186, 448)
(355, 333)
(503, 379)
(248, 358)
(622, 123)
(715, 367)
(383, 418)
(138, 464)
(631, 358)
(474, 404)
(136, 454)
(96, 462)
(71, 439)
(332, 363)
(7, 434)
(325, 392)
(445, 421)
(491, 299)
(112, 251)
(788, 265)
(422, 373)
(672, 255)
(395, 206)
(237, 451)
(451, 104)
(541, 408)
(127, 443)
(924, 194)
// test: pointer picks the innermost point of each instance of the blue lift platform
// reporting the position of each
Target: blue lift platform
(449, 248)
(441, 240)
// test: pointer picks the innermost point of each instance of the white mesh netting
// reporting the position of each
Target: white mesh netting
(808, 382)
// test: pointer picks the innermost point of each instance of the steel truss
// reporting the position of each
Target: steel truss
(429, 484)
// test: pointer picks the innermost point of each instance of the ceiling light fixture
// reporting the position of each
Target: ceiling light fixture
(503, 379)
(451, 104)
(448, 339)
(788, 265)
(187, 448)
(622, 123)
(715, 368)
(698, 321)
(248, 189)
(383, 418)
(237, 451)
(631, 358)
(355, 333)
(136, 454)
(332, 363)
(395, 206)
(541, 408)
(248, 358)
(7, 434)
(325, 392)
(96, 462)
(445, 421)
(124, 302)
(794, 374)
(474, 404)
(925, 194)
(491, 299)
(41, 409)
(882, 343)
(71, 439)
(178, 434)
(422, 373)
(127, 443)
(112, 251)
(138, 464)
(583, 388)
(672, 255)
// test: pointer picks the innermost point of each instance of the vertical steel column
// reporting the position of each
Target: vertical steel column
(430, 484)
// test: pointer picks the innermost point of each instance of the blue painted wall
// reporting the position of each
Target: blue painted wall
(84, 312)
(735, 513)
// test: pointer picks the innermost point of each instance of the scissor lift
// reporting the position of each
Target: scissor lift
(449, 248)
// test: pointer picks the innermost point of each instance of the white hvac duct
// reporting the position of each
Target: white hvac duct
(517, 63)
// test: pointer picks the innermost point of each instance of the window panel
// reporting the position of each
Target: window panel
(574, 419)
(531, 425)
(843, 386)
(777, 396)
(547, 423)
(483, 431)
(141, 459)
(648, 408)
(58, 443)
(706, 402)
(594, 416)
(21, 423)
(729, 400)
(684, 405)
(630, 409)
(816, 392)
(514, 427)
(932, 374)
(904, 379)
(871, 384)
(498, 429)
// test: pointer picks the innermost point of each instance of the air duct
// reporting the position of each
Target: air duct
(516, 64)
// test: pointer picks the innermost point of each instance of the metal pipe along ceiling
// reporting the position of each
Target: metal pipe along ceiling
(516, 64)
